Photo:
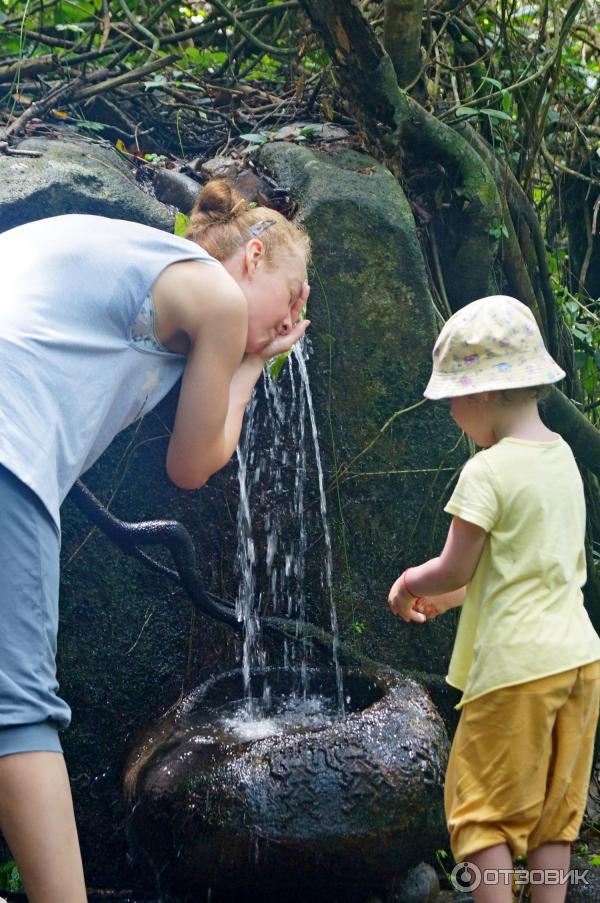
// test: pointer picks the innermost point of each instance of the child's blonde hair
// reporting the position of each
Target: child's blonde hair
(536, 393)
(222, 221)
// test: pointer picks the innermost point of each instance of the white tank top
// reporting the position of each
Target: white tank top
(74, 366)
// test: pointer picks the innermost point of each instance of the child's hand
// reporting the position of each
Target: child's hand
(403, 604)
(431, 606)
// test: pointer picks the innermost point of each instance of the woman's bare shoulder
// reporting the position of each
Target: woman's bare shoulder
(190, 293)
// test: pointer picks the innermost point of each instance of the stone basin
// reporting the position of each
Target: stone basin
(290, 805)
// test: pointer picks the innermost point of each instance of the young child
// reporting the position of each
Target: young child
(526, 656)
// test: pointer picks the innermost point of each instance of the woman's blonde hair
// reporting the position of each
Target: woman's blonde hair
(222, 221)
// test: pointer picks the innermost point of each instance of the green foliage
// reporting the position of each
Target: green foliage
(182, 222)
(582, 316)
(358, 627)
(505, 69)
(10, 880)
(255, 138)
(275, 365)
(443, 860)
(268, 69)
(203, 60)
(158, 158)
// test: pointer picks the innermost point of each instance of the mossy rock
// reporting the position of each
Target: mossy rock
(373, 329)
(73, 176)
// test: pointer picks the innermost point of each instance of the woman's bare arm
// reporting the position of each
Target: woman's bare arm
(209, 308)
(203, 307)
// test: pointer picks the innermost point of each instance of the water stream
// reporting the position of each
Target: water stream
(280, 477)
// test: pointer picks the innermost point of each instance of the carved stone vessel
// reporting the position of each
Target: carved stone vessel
(324, 807)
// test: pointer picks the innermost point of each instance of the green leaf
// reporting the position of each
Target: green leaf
(492, 81)
(497, 114)
(581, 332)
(465, 111)
(89, 125)
(204, 59)
(358, 627)
(254, 138)
(10, 880)
(194, 55)
(182, 222)
(506, 101)
(66, 11)
(275, 365)
(70, 26)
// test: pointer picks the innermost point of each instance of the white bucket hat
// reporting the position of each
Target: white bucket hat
(491, 344)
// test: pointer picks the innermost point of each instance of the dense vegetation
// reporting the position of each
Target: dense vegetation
(488, 113)
(195, 78)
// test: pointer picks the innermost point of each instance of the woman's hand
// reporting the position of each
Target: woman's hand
(403, 604)
(286, 339)
(284, 342)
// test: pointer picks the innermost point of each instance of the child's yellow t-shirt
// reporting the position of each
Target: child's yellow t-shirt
(523, 616)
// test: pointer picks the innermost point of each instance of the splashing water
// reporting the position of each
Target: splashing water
(273, 472)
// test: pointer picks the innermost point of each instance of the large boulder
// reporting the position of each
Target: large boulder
(73, 176)
(389, 456)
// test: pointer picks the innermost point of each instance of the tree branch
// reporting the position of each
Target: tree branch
(284, 52)
(132, 76)
(565, 418)
(402, 37)
(368, 79)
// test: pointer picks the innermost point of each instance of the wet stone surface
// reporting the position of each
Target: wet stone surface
(339, 807)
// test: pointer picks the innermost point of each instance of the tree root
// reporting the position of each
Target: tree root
(369, 80)
(563, 416)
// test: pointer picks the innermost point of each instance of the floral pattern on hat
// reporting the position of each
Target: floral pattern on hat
(493, 343)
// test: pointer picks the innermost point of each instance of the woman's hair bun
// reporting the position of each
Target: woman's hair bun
(220, 201)
(222, 221)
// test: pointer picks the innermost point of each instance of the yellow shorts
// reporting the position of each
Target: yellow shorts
(520, 764)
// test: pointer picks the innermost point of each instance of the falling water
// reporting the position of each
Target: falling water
(326, 532)
(274, 474)
(246, 611)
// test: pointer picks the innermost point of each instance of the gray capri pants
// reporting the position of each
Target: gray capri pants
(30, 711)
